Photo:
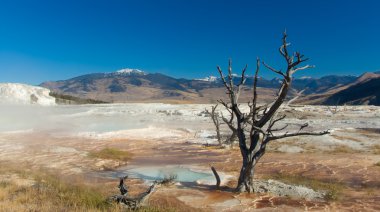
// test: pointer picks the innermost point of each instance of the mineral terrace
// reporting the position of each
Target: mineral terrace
(178, 139)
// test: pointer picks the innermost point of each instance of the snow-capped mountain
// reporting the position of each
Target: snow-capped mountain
(17, 93)
(306, 77)
(209, 79)
(130, 71)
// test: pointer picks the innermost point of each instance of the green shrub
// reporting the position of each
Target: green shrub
(111, 153)
(67, 99)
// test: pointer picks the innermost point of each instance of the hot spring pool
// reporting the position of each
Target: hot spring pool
(151, 173)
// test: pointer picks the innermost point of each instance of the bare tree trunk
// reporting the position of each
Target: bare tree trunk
(218, 135)
(245, 183)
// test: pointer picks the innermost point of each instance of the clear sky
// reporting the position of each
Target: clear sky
(57, 39)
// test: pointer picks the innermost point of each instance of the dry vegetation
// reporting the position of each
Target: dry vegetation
(168, 180)
(343, 149)
(47, 192)
(22, 189)
(376, 149)
(111, 153)
(332, 189)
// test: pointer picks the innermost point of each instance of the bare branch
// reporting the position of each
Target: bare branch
(273, 69)
(303, 126)
(242, 81)
(229, 124)
(280, 129)
(263, 107)
(224, 104)
(286, 135)
(243, 78)
(230, 76)
(254, 101)
(273, 122)
(283, 48)
(302, 68)
(285, 83)
(223, 79)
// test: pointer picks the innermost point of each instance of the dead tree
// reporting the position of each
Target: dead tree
(215, 119)
(215, 116)
(255, 128)
(334, 109)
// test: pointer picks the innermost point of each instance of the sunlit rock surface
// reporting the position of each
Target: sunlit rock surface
(17, 93)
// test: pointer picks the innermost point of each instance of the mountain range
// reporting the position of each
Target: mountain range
(364, 90)
(133, 85)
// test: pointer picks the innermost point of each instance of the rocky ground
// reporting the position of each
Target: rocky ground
(332, 172)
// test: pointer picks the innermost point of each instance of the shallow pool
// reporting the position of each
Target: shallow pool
(183, 174)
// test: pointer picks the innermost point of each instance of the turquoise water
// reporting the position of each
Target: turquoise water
(160, 172)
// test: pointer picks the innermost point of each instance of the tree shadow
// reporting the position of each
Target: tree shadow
(205, 187)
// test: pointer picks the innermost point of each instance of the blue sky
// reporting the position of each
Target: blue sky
(44, 40)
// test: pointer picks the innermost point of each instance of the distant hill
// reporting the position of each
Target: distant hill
(133, 85)
(323, 84)
(365, 90)
(366, 93)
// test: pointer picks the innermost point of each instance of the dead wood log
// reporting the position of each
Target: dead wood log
(122, 187)
(130, 202)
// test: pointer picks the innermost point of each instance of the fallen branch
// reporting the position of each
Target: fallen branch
(216, 177)
(129, 202)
